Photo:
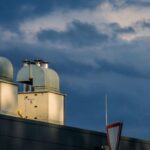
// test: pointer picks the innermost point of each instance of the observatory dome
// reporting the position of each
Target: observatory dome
(6, 69)
(39, 77)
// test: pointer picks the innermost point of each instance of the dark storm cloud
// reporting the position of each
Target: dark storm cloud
(74, 68)
(78, 34)
(117, 29)
(144, 24)
(122, 3)
(120, 68)
(145, 3)
(15, 11)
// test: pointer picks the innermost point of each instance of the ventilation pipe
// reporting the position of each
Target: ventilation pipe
(44, 64)
(26, 62)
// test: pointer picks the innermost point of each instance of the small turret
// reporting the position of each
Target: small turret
(6, 69)
(8, 89)
(41, 98)
(37, 74)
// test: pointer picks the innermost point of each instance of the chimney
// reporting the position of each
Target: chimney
(26, 62)
(37, 62)
(44, 64)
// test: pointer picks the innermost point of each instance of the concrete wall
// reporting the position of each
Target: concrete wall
(42, 106)
(21, 134)
(8, 98)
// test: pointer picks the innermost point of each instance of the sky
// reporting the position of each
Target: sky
(97, 47)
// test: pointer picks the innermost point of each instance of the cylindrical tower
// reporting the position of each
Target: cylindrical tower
(8, 89)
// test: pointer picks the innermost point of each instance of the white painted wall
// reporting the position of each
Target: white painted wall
(8, 98)
(42, 106)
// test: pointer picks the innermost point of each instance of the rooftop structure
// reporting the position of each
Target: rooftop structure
(33, 119)
(6, 69)
(41, 98)
(37, 74)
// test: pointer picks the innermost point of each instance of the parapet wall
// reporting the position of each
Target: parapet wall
(21, 134)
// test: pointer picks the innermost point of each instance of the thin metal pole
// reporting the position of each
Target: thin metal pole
(106, 110)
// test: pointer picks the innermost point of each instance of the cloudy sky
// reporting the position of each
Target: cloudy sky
(96, 46)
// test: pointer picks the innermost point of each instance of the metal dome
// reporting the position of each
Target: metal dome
(41, 78)
(6, 69)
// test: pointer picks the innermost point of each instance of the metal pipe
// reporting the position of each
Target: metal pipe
(44, 64)
(26, 62)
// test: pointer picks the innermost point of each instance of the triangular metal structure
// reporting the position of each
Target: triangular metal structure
(114, 134)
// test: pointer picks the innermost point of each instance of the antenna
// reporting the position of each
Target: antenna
(106, 110)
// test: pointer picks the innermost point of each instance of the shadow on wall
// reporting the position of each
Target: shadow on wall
(16, 133)
(134, 144)
(21, 134)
